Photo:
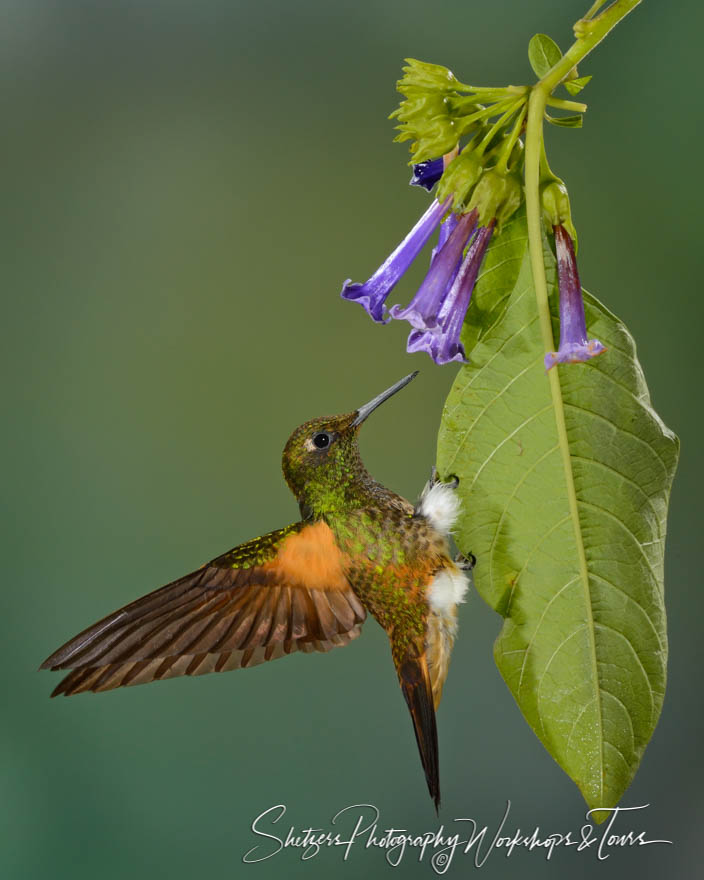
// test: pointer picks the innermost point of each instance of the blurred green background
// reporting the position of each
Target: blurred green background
(185, 186)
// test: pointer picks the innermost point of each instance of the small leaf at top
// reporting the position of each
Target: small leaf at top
(543, 53)
(575, 86)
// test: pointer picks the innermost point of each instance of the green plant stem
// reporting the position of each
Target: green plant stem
(486, 113)
(589, 34)
(500, 122)
(510, 143)
(595, 8)
(490, 95)
(566, 105)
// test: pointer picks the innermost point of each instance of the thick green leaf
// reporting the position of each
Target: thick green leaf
(583, 645)
(543, 53)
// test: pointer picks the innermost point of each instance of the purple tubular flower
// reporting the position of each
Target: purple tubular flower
(427, 174)
(442, 343)
(422, 311)
(575, 346)
(446, 229)
(373, 293)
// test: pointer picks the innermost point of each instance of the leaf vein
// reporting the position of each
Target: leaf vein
(626, 479)
(628, 715)
(635, 602)
(640, 440)
(538, 625)
(518, 485)
(505, 440)
(636, 655)
(480, 369)
(491, 402)
(628, 531)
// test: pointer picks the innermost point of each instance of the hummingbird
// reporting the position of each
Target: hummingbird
(358, 548)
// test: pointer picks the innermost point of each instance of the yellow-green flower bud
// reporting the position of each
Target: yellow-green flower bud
(496, 196)
(438, 138)
(427, 76)
(459, 179)
(555, 202)
(425, 119)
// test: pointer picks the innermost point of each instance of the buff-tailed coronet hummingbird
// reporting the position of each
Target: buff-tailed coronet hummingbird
(358, 548)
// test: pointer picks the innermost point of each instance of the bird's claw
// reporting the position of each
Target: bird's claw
(465, 563)
(452, 483)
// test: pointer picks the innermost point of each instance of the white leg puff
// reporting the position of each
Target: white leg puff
(440, 505)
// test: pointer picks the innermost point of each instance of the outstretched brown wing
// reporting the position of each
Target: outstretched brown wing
(272, 596)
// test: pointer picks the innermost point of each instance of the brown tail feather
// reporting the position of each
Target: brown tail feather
(414, 678)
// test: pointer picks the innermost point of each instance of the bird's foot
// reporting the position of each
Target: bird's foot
(452, 483)
(465, 563)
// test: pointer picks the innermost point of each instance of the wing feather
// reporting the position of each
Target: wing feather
(220, 617)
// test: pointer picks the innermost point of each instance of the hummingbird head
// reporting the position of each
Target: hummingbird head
(321, 460)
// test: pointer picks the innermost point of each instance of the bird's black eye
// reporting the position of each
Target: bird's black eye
(321, 440)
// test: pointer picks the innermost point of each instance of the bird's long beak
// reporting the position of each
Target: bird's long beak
(369, 408)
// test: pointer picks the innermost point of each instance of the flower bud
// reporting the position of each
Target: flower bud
(459, 178)
(427, 173)
(513, 197)
(496, 196)
(555, 202)
(437, 138)
(424, 117)
(427, 76)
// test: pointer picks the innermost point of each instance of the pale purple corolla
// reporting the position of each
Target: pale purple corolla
(422, 312)
(442, 341)
(373, 293)
(575, 346)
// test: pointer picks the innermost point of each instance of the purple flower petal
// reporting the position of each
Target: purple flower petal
(440, 349)
(373, 293)
(422, 311)
(446, 230)
(442, 341)
(575, 347)
(427, 174)
(454, 308)
(574, 353)
(422, 340)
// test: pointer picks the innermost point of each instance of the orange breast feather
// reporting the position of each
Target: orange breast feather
(310, 558)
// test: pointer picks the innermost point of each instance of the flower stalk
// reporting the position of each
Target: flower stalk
(589, 32)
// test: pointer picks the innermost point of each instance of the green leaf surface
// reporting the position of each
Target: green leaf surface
(569, 535)
(543, 53)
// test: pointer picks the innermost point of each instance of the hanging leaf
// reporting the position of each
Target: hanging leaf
(543, 53)
(568, 531)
